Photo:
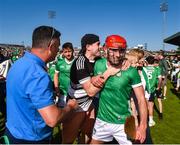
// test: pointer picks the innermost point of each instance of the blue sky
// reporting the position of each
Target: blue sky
(139, 21)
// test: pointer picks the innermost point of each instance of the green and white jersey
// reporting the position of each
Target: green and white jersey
(51, 69)
(159, 72)
(63, 67)
(114, 97)
(152, 74)
(59, 57)
(14, 58)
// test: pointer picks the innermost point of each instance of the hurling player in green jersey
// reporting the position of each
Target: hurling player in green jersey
(114, 97)
(163, 64)
(82, 89)
(51, 69)
(159, 91)
(136, 58)
(151, 85)
(62, 73)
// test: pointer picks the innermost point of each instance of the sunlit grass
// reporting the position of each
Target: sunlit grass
(167, 131)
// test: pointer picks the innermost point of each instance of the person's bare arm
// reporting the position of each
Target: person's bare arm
(53, 115)
(56, 83)
(141, 129)
(98, 81)
(91, 86)
(159, 83)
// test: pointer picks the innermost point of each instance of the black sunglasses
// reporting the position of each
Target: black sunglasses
(52, 35)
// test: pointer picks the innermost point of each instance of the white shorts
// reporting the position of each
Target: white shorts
(104, 131)
(147, 95)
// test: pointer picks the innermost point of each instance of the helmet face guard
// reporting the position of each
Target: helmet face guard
(116, 56)
(116, 49)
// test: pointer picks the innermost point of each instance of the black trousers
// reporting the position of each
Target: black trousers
(2, 98)
(2, 107)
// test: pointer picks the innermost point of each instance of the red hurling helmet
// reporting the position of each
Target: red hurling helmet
(115, 41)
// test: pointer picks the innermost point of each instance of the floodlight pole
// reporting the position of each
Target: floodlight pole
(51, 15)
(145, 46)
(164, 9)
(22, 43)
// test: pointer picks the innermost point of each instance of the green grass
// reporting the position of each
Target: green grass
(167, 131)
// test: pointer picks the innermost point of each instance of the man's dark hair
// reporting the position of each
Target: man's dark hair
(43, 35)
(161, 52)
(156, 61)
(88, 39)
(68, 45)
(150, 59)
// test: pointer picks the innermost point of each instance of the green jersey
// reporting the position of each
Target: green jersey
(51, 69)
(114, 97)
(163, 64)
(152, 77)
(63, 68)
(59, 57)
(14, 58)
(159, 72)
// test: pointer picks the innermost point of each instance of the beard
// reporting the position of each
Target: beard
(115, 61)
(51, 59)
